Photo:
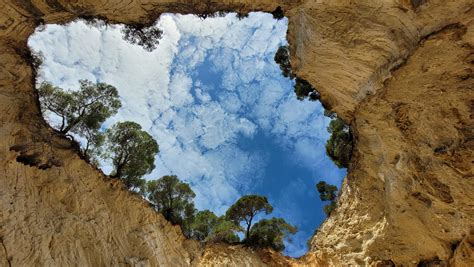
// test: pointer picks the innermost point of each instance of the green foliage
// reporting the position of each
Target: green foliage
(329, 208)
(327, 192)
(246, 208)
(207, 227)
(303, 89)
(282, 58)
(132, 152)
(224, 231)
(174, 199)
(147, 37)
(242, 15)
(270, 233)
(81, 112)
(278, 13)
(203, 224)
(37, 59)
(339, 145)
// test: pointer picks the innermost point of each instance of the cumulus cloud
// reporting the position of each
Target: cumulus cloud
(210, 86)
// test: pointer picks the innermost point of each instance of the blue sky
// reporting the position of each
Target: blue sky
(226, 120)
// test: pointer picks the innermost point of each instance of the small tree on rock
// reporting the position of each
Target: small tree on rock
(224, 231)
(270, 233)
(203, 224)
(327, 192)
(81, 112)
(147, 37)
(339, 145)
(174, 199)
(303, 89)
(132, 152)
(245, 210)
(282, 58)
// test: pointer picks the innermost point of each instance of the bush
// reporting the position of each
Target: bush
(329, 208)
(224, 231)
(278, 13)
(303, 89)
(339, 146)
(282, 58)
(327, 192)
(270, 233)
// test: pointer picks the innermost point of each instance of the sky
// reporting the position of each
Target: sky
(226, 120)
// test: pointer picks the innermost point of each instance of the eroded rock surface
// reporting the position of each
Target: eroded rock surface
(399, 71)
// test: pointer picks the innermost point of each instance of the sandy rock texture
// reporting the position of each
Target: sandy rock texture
(399, 71)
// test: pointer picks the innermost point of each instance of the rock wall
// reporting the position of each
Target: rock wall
(399, 71)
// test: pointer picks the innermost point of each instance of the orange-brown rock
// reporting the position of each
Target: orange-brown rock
(400, 71)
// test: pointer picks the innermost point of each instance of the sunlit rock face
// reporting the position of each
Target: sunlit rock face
(406, 200)
(225, 118)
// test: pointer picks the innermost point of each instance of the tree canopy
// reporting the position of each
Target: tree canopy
(327, 192)
(147, 37)
(174, 199)
(203, 224)
(282, 58)
(132, 152)
(270, 233)
(246, 208)
(81, 112)
(303, 89)
(339, 145)
(224, 231)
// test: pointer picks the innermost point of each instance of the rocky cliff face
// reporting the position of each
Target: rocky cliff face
(399, 71)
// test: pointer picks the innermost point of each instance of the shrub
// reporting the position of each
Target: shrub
(278, 13)
(327, 192)
(303, 89)
(282, 58)
(270, 233)
(339, 146)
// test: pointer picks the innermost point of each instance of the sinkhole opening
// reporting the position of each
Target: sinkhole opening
(217, 95)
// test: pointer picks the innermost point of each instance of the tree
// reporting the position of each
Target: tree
(246, 208)
(132, 152)
(270, 233)
(304, 89)
(282, 58)
(278, 13)
(147, 37)
(339, 145)
(203, 224)
(173, 199)
(93, 144)
(327, 192)
(81, 112)
(224, 231)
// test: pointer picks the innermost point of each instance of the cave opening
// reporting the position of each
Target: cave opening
(225, 117)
